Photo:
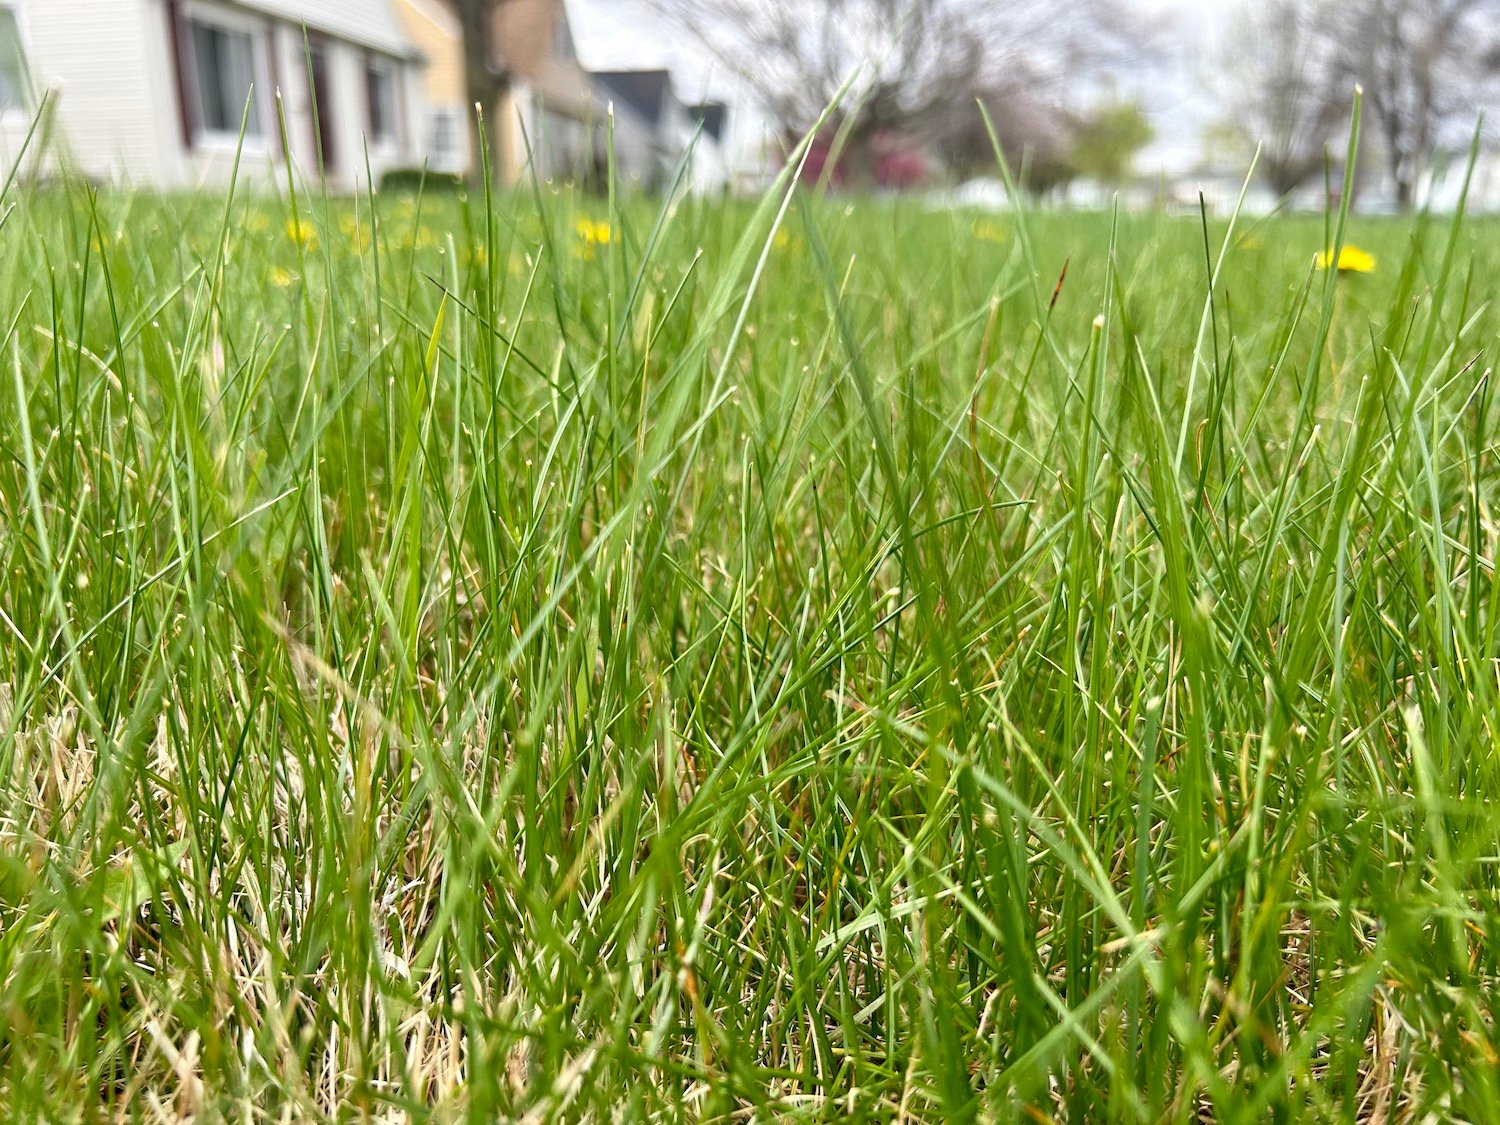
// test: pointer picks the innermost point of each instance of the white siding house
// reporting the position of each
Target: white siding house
(154, 92)
(655, 132)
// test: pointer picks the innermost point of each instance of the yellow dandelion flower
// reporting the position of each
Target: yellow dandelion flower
(1351, 259)
(985, 230)
(282, 278)
(592, 233)
(302, 232)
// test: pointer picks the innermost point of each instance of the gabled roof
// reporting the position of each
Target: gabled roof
(645, 93)
(370, 23)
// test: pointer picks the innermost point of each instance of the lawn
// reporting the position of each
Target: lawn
(569, 659)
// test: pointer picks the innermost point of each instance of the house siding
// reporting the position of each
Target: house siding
(91, 58)
(549, 121)
(434, 32)
(440, 124)
(111, 66)
(371, 23)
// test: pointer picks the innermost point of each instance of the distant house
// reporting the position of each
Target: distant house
(443, 130)
(647, 120)
(712, 117)
(552, 97)
(159, 91)
(549, 116)
(711, 167)
(654, 131)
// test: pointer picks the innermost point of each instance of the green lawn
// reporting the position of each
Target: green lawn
(570, 660)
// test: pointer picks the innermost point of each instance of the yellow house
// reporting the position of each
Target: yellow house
(548, 116)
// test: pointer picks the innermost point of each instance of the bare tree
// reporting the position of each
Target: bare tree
(911, 65)
(1427, 66)
(1286, 87)
(1036, 137)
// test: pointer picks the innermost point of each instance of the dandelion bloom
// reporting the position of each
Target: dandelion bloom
(1351, 259)
(302, 232)
(592, 233)
(986, 231)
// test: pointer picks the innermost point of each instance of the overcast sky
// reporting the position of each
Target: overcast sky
(625, 34)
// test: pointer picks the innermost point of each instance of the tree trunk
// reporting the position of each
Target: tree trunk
(1402, 179)
(1405, 193)
(1401, 153)
(1284, 179)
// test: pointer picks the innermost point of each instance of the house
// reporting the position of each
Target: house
(655, 131)
(712, 118)
(158, 92)
(549, 118)
(650, 125)
(443, 130)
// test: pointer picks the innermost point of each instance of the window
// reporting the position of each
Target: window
(15, 82)
(380, 92)
(321, 90)
(447, 143)
(225, 73)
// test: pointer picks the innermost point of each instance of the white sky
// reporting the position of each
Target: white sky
(1177, 90)
(628, 35)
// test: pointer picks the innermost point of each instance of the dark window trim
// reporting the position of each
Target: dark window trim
(373, 59)
(325, 142)
(262, 39)
(185, 117)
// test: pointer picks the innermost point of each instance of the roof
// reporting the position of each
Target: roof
(369, 23)
(644, 92)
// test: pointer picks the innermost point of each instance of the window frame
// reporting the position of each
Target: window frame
(388, 68)
(261, 34)
(323, 117)
(446, 123)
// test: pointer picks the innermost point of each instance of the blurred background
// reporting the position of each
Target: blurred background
(1160, 103)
